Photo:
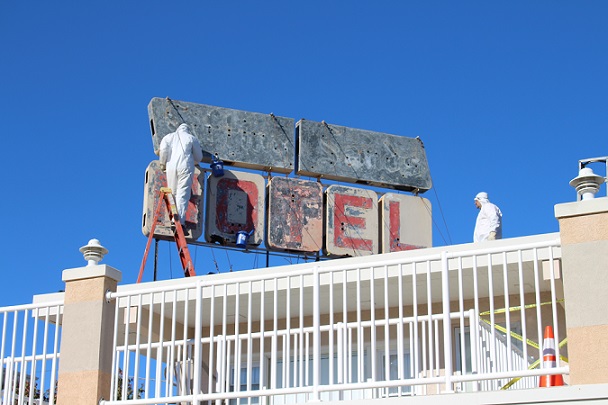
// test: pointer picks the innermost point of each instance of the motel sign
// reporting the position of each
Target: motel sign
(289, 213)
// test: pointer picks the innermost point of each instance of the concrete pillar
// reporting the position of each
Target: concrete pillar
(87, 329)
(584, 236)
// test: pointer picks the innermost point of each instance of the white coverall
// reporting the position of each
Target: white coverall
(489, 222)
(180, 151)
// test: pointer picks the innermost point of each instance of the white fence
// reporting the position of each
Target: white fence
(29, 351)
(393, 325)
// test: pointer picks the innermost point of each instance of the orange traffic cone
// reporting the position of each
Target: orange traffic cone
(550, 361)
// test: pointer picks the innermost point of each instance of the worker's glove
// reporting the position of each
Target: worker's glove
(163, 167)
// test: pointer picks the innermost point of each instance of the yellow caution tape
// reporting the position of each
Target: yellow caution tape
(512, 309)
(513, 334)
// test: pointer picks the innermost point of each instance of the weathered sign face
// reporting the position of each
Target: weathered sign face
(267, 142)
(359, 156)
(244, 139)
(294, 214)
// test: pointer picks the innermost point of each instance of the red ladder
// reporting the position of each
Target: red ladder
(178, 233)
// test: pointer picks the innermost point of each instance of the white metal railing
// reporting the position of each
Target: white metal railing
(29, 353)
(400, 325)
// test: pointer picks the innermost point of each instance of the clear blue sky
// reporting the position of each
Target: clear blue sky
(506, 96)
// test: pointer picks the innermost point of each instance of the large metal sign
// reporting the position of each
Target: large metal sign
(294, 214)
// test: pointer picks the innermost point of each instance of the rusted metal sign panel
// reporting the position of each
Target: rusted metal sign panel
(235, 202)
(406, 222)
(239, 138)
(360, 156)
(351, 221)
(295, 214)
(155, 179)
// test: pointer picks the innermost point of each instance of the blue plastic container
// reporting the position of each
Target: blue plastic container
(242, 237)
(217, 167)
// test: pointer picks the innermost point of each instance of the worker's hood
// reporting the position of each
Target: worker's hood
(482, 197)
(183, 128)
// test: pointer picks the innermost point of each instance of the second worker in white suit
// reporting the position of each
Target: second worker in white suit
(179, 152)
(489, 220)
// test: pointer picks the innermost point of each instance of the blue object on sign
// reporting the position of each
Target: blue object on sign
(217, 167)
(242, 237)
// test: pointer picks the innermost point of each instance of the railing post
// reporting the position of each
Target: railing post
(447, 324)
(316, 350)
(87, 334)
(198, 361)
(474, 336)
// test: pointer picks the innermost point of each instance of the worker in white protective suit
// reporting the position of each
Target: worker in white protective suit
(179, 152)
(489, 219)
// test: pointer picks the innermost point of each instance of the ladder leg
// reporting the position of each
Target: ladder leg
(180, 240)
(184, 252)
(152, 229)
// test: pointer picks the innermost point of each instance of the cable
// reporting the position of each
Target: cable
(214, 261)
(176, 110)
(442, 216)
(229, 264)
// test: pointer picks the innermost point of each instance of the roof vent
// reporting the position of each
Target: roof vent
(587, 183)
(93, 252)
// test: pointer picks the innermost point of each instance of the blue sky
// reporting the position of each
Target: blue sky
(506, 96)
